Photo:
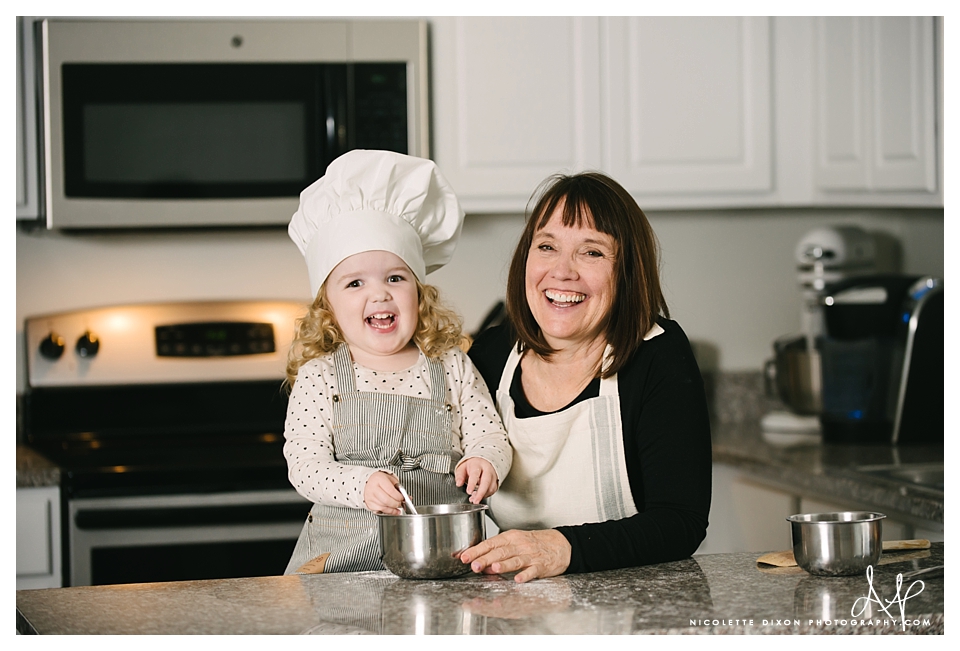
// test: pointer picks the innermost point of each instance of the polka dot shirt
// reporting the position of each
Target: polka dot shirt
(313, 469)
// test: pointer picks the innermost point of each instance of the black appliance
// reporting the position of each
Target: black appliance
(882, 360)
(222, 130)
(167, 423)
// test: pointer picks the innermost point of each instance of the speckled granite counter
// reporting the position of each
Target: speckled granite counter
(831, 472)
(34, 470)
(711, 594)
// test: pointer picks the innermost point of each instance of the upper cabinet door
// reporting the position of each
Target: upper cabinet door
(875, 104)
(516, 100)
(687, 107)
(28, 184)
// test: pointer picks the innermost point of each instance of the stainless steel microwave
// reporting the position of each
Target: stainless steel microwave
(197, 123)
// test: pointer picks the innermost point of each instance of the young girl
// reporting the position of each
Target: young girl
(381, 391)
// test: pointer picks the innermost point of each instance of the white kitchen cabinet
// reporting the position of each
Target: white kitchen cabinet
(514, 100)
(38, 538)
(28, 166)
(676, 109)
(931, 531)
(687, 104)
(750, 515)
(692, 112)
(875, 105)
(893, 528)
(746, 516)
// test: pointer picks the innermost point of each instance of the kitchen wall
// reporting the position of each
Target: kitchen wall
(729, 276)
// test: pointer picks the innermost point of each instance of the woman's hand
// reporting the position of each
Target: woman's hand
(534, 554)
(380, 494)
(479, 476)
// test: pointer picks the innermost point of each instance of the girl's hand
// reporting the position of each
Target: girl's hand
(479, 476)
(534, 554)
(380, 494)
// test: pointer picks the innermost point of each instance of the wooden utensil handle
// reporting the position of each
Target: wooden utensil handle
(894, 545)
(778, 559)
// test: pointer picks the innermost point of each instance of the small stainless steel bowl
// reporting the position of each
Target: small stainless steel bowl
(428, 545)
(837, 544)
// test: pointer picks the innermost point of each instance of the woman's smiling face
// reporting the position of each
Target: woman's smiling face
(570, 282)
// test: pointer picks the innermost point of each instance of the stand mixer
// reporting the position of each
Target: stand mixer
(823, 256)
(828, 255)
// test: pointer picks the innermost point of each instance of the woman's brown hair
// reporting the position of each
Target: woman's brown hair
(594, 200)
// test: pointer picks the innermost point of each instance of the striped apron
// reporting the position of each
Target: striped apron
(408, 436)
(568, 468)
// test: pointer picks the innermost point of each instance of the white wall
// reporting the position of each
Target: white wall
(729, 275)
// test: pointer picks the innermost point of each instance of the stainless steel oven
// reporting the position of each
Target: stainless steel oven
(147, 538)
(167, 422)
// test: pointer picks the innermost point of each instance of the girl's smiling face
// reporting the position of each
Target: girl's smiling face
(375, 301)
(570, 281)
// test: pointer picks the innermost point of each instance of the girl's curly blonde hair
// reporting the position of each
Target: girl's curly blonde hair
(439, 329)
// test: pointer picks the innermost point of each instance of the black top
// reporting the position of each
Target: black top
(666, 439)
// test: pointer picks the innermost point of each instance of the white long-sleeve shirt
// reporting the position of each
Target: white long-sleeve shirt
(476, 429)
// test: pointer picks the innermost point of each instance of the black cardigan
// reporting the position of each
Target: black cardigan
(666, 439)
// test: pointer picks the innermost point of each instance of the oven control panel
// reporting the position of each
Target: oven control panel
(162, 343)
(215, 339)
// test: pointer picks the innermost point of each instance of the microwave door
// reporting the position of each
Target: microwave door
(186, 131)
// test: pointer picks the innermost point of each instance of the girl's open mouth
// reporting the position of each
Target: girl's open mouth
(382, 321)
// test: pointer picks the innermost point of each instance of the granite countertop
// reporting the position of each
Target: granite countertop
(832, 472)
(710, 594)
(33, 469)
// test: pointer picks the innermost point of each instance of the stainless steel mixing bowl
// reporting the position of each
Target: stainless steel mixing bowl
(794, 375)
(837, 544)
(428, 545)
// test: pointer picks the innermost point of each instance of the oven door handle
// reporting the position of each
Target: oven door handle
(189, 516)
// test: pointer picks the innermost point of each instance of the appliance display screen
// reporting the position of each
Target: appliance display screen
(198, 130)
(216, 339)
(195, 142)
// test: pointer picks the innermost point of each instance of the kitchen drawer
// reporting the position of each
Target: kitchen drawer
(38, 538)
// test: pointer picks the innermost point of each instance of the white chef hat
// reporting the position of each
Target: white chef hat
(377, 201)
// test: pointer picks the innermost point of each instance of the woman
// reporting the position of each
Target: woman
(600, 395)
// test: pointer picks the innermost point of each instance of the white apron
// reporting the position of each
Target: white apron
(568, 468)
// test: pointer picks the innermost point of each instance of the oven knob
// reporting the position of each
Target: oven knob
(88, 344)
(52, 347)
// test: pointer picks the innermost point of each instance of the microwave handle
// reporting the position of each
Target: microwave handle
(337, 83)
